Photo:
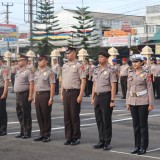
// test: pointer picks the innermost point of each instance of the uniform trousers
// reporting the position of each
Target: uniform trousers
(123, 81)
(140, 125)
(3, 113)
(103, 114)
(90, 83)
(23, 108)
(157, 86)
(87, 86)
(71, 114)
(12, 78)
(43, 112)
(57, 85)
(117, 86)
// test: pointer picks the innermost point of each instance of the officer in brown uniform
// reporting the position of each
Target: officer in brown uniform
(152, 67)
(56, 69)
(146, 65)
(73, 85)
(103, 95)
(124, 69)
(117, 72)
(4, 82)
(139, 101)
(23, 88)
(156, 77)
(86, 68)
(13, 73)
(44, 94)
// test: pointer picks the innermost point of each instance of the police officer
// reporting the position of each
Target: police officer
(73, 85)
(156, 77)
(117, 72)
(139, 101)
(4, 82)
(123, 76)
(87, 68)
(13, 73)
(146, 65)
(56, 69)
(152, 67)
(44, 94)
(103, 95)
(23, 88)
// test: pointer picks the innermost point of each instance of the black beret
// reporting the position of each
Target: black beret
(104, 53)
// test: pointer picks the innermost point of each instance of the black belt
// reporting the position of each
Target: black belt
(124, 76)
(102, 94)
(18, 93)
(42, 92)
(71, 90)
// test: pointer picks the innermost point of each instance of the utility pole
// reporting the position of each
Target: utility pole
(31, 23)
(7, 5)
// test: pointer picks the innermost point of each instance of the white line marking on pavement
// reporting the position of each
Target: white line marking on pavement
(135, 155)
(157, 149)
(90, 124)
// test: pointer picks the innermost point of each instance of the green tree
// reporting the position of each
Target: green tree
(86, 35)
(45, 26)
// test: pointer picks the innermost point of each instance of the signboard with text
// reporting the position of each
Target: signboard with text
(8, 31)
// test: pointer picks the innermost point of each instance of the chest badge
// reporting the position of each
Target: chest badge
(74, 66)
(105, 72)
(44, 73)
(142, 75)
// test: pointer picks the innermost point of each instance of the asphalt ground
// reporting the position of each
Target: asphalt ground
(122, 141)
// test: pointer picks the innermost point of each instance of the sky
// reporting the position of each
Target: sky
(131, 7)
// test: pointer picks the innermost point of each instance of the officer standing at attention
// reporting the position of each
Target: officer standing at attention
(152, 67)
(73, 85)
(86, 68)
(103, 95)
(156, 78)
(117, 71)
(146, 65)
(139, 101)
(4, 83)
(56, 69)
(13, 73)
(23, 88)
(44, 94)
(124, 69)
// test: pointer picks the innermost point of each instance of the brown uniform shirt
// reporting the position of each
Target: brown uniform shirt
(4, 75)
(103, 79)
(139, 83)
(146, 67)
(72, 73)
(56, 69)
(124, 69)
(86, 67)
(23, 78)
(91, 69)
(116, 69)
(152, 68)
(157, 71)
(43, 79)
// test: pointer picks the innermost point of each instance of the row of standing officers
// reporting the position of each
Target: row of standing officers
(39, 86)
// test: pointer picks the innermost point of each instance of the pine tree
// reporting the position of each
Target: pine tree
(45, 26)
(85, 35)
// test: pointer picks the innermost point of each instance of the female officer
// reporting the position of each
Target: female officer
(139, 101)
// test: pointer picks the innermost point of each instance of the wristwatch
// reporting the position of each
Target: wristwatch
(112, 101)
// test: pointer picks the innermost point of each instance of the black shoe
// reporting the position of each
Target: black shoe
(3, 133)
(40, 138)
(98, 145)
(106, 147)
(135, 151)
(12, 92)
(46, 139)
(75, 142)
(68, 142)
(141, 151)
(157, 98)
(19, 135)
(26, 136)
(123, 98)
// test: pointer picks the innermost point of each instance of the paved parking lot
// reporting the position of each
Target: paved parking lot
(122, 141)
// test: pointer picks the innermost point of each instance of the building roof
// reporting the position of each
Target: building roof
(112, 16)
